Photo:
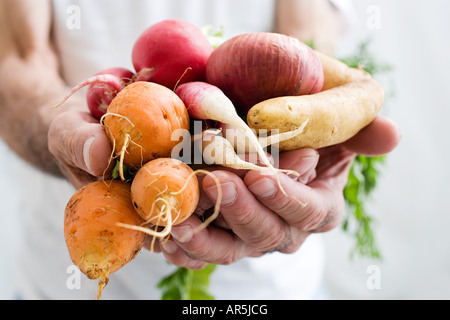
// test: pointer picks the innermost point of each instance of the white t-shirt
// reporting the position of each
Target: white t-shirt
(93, 35)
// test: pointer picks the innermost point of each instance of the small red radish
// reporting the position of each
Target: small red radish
(254, 67)
(103, 87)
(170, 52)
(100, 94)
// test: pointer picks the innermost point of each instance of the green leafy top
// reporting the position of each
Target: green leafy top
(361, 182)
(186, 284)
(216, 38)
(363, 175)
(365, 59)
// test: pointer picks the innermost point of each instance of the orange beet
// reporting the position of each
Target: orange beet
(97, 245)
(140, 122)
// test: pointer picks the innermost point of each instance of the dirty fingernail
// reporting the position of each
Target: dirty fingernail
(87, 153)
(229, 193)
(264, 188)
(169, 246)
(182, 234)
(303, 166)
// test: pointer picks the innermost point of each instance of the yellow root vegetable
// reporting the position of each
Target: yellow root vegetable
(350, 101)
(97, 245)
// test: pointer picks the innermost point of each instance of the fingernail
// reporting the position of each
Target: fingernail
(264, 188)
(229, 193)
(87, 153)
(303, 179)
(182, 234)
(169, 246)
(303, 166)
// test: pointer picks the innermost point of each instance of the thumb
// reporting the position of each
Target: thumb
(96, 151)
(77, 141)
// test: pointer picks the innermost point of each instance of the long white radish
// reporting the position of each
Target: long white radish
(218, 150)
(239, 140)
(207, 102)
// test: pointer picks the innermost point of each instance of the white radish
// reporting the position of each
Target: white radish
(207, 102)
(218, 150)
(240, 141)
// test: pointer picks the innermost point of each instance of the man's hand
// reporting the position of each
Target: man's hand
(257, 217)
(80, 146)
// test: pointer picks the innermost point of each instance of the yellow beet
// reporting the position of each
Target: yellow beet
(97, 245)
(350, 101)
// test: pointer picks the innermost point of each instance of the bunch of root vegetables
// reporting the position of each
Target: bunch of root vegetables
(275, 82)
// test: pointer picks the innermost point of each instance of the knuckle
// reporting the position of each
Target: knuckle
(277, 238)
(288, 206)
(229, 257)
(195, 265)
(242, 214)
(322, 219)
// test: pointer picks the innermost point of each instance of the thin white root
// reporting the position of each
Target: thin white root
(122, 155)
(125, 145)
(112, 81)
(143, 75)
(178, 81)
(165, 214)
(216, 212)
(102, 282)
(157, 234)
(116, 115)
(283, 136)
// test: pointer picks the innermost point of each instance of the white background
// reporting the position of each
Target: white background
(411, 204)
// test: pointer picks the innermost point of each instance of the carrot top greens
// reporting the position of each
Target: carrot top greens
(186, 284)
(362, 179)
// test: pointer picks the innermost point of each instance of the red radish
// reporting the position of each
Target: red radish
(254, 67)
(170, 52)
(100, 94)
(207, 102)
(103, 87)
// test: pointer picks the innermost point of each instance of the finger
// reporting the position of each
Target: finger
(378, 138)
(303, 161)
(151, 244)
(177, 256)
(255, 224)
(192, 244)
(332, 160)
